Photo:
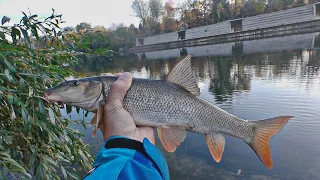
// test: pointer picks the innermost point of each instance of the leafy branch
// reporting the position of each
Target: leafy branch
(35, 141)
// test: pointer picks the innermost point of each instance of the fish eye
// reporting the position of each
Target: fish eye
(76, 83)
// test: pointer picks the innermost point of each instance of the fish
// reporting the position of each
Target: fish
(172, 106)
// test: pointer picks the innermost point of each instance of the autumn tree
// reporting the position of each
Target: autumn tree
(141, 10)
(169, 23)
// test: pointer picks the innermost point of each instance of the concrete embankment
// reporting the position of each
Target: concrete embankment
(293, 21)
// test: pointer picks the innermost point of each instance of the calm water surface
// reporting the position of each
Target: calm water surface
(253, 86)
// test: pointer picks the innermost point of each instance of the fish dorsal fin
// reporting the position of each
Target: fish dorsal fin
(216, 144)
(171, 138)
(183, 75)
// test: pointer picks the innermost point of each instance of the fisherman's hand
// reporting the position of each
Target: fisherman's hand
(118, 121)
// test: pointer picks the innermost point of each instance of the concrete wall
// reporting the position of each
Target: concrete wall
(168, 37)
(301, 41)
(209, 30)
(211, 50)
(288, 16)
(165, 54)
(293, 42)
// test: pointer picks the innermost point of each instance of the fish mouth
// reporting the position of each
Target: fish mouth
(55, 98)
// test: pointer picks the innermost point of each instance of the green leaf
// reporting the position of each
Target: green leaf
(24, 113)
(8, 139)
(39, 124)
(5, 154)
(78, 110)
(29, 74)
(11, 68)
(35, 32)
(14, 34)
(64, 172)
(52, 117)
(7, 74)
(10, 98)
(25, 35)
(41, 107)
(49, 159)
(74, 176)
(32, 159)
(22, 84)
(33, 16)
(5, 19)
(40, 171)
(68, 109)
(14, 163)
(2, 36)
(30, 91)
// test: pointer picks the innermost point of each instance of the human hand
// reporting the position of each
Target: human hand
(118, 121)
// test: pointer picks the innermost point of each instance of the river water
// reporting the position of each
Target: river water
(254, 80)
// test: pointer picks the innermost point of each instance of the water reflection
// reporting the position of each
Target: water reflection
(252, 86)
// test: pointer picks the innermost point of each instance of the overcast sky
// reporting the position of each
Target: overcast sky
(96, 12)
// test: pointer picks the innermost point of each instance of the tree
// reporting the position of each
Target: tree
(69, 29)
(141, 10)
(259, 6)
(132, 30)
(156, 9)
(83, 26)
(237, 8)
(100, 28)
(169, 23)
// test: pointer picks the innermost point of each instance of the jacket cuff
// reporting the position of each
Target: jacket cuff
(146, 148)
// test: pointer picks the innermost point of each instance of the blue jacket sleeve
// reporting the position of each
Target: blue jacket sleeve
(118, 160)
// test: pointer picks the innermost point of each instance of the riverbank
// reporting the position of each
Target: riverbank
(282, 23)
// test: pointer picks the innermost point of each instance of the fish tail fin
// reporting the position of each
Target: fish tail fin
(265, 129)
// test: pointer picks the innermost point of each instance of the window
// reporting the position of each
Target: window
(236, 25)
(140, 42)
(317, 9)
(181, 35)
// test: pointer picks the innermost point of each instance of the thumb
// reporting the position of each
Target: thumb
(118, 90)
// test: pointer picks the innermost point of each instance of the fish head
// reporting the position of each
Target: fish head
(82, 93)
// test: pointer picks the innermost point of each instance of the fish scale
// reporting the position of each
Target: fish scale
(172, 106)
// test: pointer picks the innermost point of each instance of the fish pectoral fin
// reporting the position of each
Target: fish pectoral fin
(94, 119)
(171, 138)
(183, 75)
(99, 117)
(216, 144)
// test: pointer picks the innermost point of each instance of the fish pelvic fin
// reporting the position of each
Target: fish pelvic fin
(99, 118)
(265, 129)
(182, 75)
(171, 138)
(216, 143)
(94, 119)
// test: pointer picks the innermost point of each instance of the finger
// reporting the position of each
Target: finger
(119, 74)
(118, 90)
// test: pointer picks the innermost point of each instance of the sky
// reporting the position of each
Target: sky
(96, 12)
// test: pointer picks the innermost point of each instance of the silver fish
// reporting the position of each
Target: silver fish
(173, 107)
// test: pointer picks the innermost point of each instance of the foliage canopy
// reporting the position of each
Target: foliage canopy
(35, 141)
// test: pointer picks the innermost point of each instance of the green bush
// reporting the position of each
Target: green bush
(35, 141)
